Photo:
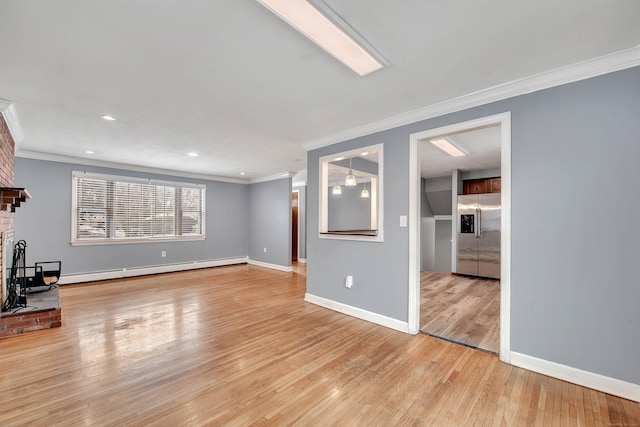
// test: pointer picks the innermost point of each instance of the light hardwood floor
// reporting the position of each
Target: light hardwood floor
(461, 309)
(238, 346)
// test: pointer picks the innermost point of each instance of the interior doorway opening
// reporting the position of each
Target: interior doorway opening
(460, 200)
(294, 225)
(459, 291)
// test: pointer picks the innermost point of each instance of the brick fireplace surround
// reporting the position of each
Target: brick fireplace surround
(7, 147)
(49, 314)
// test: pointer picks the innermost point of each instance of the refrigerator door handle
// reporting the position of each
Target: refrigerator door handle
(479, 224)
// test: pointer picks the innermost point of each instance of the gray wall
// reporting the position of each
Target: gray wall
(442, 261)
(435, 239)
(439, 194)
(479, 174)
(359, 164)
(575, 170)
(270, 222)
(349, 211)
(427, 231)
(379, 270)
(44, 222)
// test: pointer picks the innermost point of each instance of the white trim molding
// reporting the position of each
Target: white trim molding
(414, 231)
(377, 195)
(142, 271)
(359, 313)
(10, 115)
(287, 269)
(443, 217)
(36, 155)
(573, 375)
(273, 177)
(572, 73)
(302, 260)
(505, 238)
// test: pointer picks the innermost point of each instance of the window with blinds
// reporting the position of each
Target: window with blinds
(108, 208)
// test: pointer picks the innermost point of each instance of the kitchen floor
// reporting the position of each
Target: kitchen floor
(461, 309)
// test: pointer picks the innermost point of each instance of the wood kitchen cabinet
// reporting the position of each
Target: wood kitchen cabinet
(474, 186)
(494, 186)
(481, 186)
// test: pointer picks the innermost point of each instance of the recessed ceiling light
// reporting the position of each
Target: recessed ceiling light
(326, 29)
(242, 173)
(108, 117)
(192, 154)
(448, 147)
(88, 152)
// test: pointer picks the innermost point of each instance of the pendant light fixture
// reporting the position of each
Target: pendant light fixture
(365, 193)
(336, 188)
(350, 181)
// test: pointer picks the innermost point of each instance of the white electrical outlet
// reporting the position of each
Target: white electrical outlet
(163, 254)
(348, 283)
(265, 249)
(403, 220)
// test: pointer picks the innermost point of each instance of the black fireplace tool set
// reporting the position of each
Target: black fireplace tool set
(40, 277)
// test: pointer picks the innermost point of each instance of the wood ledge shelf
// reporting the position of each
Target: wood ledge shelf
(11, 197)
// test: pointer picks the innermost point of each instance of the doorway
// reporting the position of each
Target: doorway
(438, 297)
(294, 226)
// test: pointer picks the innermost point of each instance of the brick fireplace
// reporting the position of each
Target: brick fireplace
(7, 147)
(43, 310)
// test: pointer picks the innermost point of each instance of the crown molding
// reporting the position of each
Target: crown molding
(114, 165)
(10, 115)
(36, 155)
(605, 64)
(273, 177)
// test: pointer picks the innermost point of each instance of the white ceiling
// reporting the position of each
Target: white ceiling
(231, 81)
(482, 146)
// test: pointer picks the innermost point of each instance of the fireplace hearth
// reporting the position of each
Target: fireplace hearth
(30, 297)
(43, 311)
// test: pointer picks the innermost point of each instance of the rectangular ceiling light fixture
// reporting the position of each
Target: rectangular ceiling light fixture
(325, 28)
(448, 147)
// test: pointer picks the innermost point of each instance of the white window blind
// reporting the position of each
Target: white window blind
(108, 208)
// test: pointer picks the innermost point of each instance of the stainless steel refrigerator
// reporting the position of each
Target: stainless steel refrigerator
(479, 235)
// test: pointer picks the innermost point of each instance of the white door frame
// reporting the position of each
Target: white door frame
(504, 120)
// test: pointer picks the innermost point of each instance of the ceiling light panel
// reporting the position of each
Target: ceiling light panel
(448, 147)
(338, 41)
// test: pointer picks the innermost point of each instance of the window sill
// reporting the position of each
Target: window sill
(359, 235)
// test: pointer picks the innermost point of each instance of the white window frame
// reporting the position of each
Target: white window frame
(134, 180)
(377, 199)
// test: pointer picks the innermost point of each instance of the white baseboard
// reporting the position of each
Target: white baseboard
(141, 271)
(284, 268)
(302, 260)
(369, 316)
(578, 376)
